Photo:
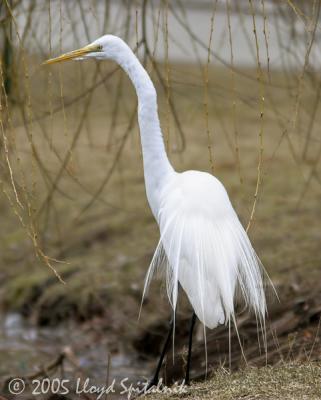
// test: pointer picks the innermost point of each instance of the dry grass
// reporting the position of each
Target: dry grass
(284, 381)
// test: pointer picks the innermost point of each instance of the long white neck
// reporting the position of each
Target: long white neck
(156, 164)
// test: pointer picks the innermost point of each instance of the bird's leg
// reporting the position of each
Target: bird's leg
(190, 344)
(154, 381)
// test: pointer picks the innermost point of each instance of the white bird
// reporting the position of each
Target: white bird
(205, 248)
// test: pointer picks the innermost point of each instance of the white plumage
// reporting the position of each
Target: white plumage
(202, 241)
(207, 250)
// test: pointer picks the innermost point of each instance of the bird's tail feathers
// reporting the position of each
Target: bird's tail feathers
(212, 261)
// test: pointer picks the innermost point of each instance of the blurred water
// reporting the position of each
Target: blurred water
(25, 348)
(185, 27)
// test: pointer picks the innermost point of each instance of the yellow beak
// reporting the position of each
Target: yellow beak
(91, 48)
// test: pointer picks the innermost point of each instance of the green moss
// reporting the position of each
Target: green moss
(24, 288)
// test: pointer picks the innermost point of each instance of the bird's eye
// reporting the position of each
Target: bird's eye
(100, 47)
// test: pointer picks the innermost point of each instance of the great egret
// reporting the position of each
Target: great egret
(202, 241)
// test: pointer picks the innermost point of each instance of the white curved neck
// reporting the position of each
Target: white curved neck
(156, 163)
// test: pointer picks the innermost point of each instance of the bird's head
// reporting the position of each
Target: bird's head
(103, 48)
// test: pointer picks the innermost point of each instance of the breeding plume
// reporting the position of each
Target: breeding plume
(202, 245)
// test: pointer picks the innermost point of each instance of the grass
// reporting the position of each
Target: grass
(285, 381)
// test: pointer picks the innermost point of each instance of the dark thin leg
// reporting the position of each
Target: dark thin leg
(154, 381)
(190, 344)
